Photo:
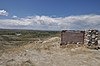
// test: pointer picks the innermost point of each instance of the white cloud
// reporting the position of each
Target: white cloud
(3, 13)
(80, 22)
(14, 16)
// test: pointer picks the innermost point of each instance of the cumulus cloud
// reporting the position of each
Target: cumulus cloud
(80, 22)
(3, 13)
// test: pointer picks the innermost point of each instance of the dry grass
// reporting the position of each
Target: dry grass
(48, 52)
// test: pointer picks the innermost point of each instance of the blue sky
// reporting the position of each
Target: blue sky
(50, 12)
(24, 8)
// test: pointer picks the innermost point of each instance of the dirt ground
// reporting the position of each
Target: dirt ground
(49, 53)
